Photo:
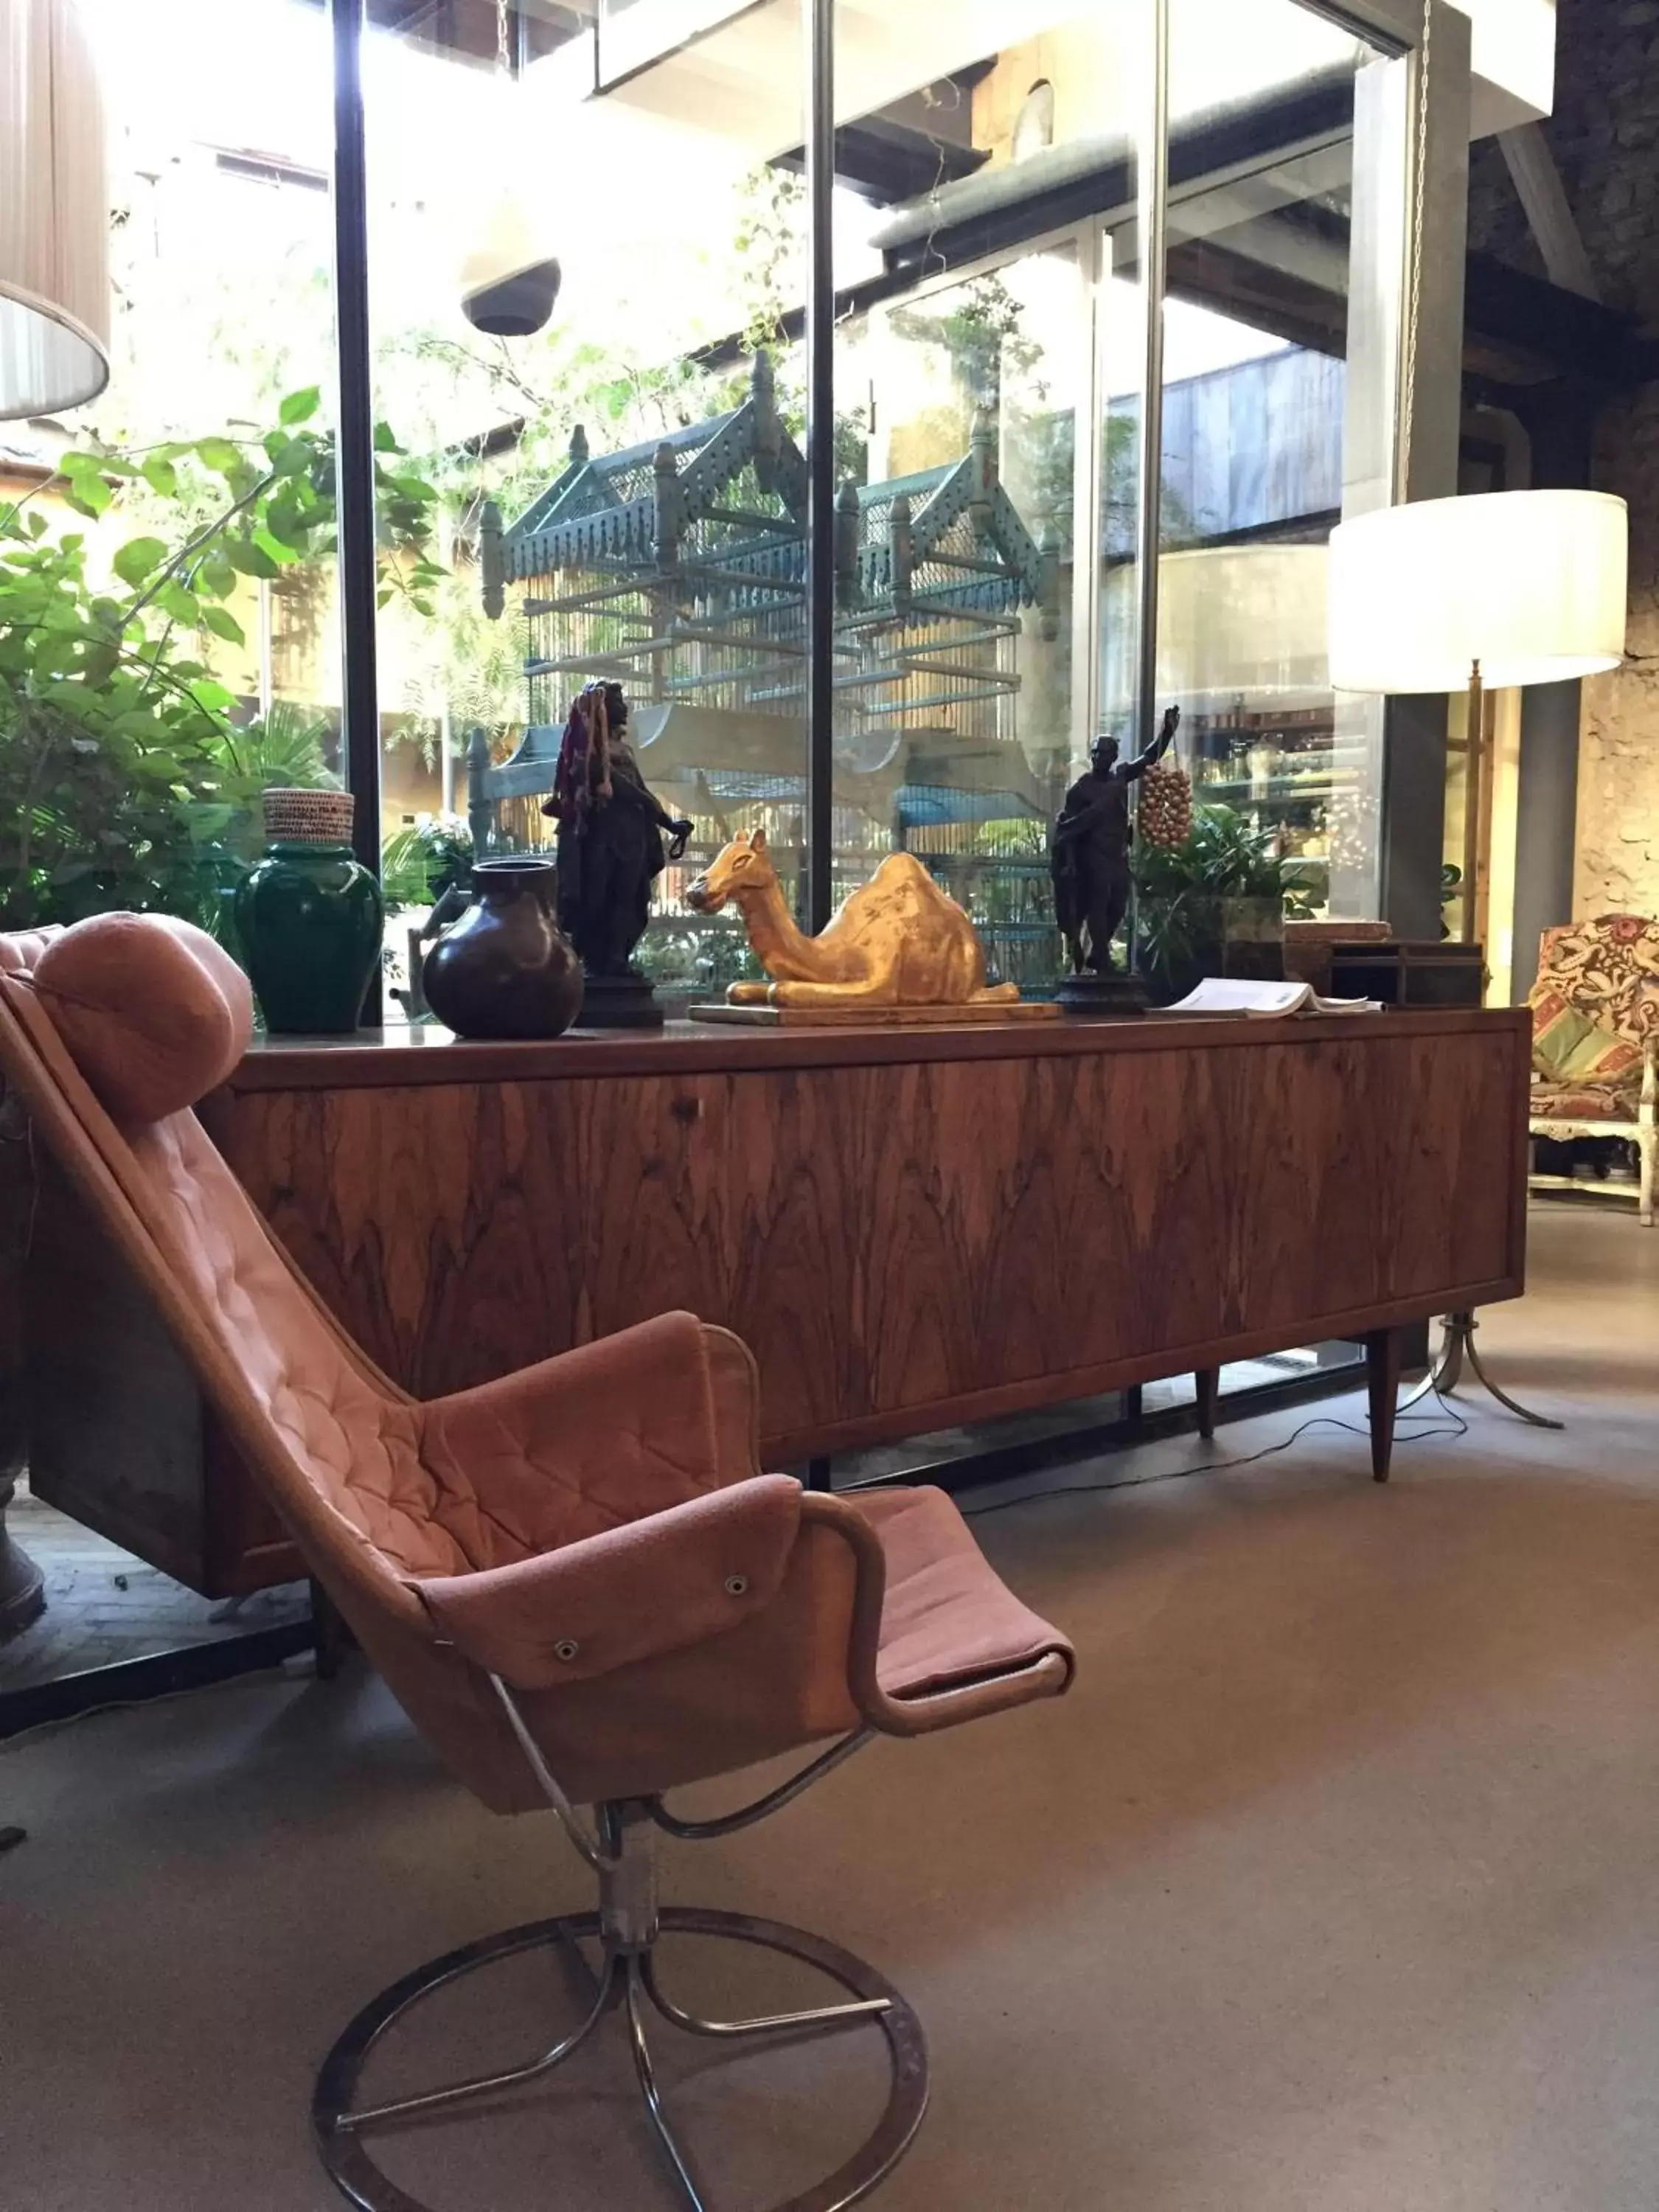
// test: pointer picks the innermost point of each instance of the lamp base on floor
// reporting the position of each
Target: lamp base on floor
(1456, 1346)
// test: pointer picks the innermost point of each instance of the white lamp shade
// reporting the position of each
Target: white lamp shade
(1238, 625)
(1531, 584)
(1242, 622)
(54, 212)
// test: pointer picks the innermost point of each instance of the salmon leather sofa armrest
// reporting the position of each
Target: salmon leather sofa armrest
(580, 1443)
(653, 1586)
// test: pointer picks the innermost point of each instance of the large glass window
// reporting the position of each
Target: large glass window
(620, 492)
(953, 665)
(1255, 371)
(186, 514)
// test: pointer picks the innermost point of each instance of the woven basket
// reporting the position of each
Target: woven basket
(308, 818)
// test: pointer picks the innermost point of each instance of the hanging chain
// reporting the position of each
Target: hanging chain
(1414, 279)
(503, 52)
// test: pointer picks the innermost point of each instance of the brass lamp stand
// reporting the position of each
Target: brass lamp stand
(1456, 1346)
(1475, 736)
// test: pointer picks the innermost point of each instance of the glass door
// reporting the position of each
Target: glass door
(1253, 404)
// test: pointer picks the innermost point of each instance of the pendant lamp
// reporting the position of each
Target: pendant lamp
(508, 285)
(54, 212)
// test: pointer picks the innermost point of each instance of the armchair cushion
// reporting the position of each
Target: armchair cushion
(1607, 969)
(1567, 1046)
(1583, 1102)
(949, 1619)
(595, 1438)
(649, 1587)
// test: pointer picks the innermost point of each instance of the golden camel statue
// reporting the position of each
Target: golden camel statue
(899, 940)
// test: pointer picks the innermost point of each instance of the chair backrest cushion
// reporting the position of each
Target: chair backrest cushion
(1606, 970)
(154, 1014)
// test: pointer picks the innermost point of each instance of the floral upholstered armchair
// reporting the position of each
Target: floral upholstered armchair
(1595, 1036)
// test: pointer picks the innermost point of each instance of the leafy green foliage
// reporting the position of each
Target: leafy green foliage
(982, 332)
(1180, 891)
(419, 864)
(1223, 855)
(123, 780)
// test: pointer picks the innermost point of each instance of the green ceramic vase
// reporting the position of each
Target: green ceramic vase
(309, 917)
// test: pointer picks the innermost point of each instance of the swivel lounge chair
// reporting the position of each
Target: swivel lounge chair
(576, 1579)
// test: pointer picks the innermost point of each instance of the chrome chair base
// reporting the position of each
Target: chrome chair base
(627, 1979)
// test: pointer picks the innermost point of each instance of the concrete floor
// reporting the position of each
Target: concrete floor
(1332, 1887)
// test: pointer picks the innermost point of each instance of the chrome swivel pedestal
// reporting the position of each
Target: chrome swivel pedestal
(626, 1927)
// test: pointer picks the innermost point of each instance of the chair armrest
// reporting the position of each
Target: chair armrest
(612, 1431)
(655, 1586)
(1013, 1676)
(1644, 1110)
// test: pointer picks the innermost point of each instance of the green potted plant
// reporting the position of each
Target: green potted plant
(1213, 905)
(125, 781)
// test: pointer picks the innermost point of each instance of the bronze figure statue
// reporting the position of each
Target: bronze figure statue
(610, 850)
(1089, 849)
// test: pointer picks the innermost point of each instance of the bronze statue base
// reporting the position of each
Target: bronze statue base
(618, 1002)
(1109, 997)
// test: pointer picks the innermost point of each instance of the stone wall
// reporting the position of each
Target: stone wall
(1617, 861)
(1604, 134)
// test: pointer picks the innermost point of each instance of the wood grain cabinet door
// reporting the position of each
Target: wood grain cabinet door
(949, 1236)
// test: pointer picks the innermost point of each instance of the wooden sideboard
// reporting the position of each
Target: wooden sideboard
(912, 1229)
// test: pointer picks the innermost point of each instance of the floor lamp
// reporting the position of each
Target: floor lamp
(54, 213)
(54, 336)
(1498, 589)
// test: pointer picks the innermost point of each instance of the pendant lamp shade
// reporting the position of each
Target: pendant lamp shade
(54, 212)
(509, 281)
(1529, 585)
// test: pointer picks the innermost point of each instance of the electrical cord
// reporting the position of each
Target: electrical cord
(1422, 1427)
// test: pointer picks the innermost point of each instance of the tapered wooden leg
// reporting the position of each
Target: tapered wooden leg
(1206, 1388)
(1382, 1350)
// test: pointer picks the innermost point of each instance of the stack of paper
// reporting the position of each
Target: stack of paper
(1231, 998)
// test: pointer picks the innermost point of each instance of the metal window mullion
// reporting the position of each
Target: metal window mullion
(1153, 213)
(1088, 491)
(355, 451)
(820, 165)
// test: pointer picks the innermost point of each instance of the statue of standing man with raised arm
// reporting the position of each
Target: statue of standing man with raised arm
(1089, 860)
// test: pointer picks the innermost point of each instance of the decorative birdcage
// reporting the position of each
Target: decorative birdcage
(678, 570)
